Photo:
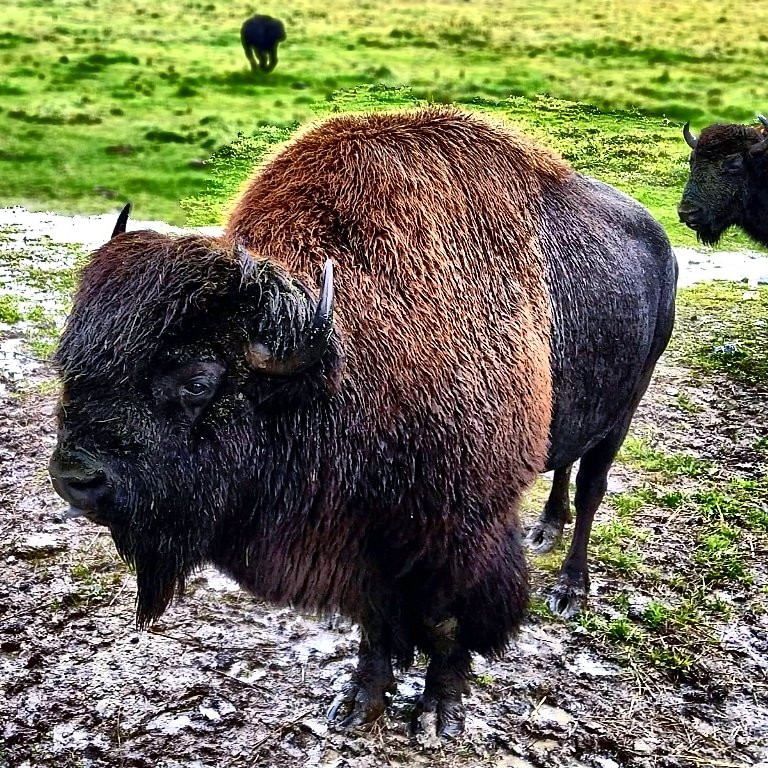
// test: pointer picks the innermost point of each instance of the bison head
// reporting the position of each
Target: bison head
(728, 167)
(181, 362)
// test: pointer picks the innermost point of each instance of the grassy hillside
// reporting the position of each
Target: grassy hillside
(104, 100)
(637, 153)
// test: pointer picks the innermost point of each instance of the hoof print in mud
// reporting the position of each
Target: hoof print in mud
(543, 538)
(435, 719)
(357, 705)
(567, 598)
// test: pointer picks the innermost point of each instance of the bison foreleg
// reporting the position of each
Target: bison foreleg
(249, 55)
(363, 698)
(263, 60)
(271, 59)
(440, 711)
(546, 532)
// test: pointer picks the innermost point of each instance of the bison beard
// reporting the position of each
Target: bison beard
(367, 457)
(161, 571)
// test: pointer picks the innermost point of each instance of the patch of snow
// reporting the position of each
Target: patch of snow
(169, 724)
(697, 266)
(219, 582)
(46, 241)
(322, 643)
(87, 231)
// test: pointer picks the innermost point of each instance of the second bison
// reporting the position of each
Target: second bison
(357, 437)
(726, 185)
(260, 36)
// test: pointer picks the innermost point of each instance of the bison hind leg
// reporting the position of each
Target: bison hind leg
(569, 595)
(545, 534)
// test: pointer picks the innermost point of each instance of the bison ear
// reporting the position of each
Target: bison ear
(311, 347)
(122, 221)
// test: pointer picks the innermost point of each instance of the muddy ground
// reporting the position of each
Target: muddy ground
(225, 680)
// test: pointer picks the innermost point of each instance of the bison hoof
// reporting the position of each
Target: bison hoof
(568, 596)
(543, 537)
(357, 704)
(437, 718)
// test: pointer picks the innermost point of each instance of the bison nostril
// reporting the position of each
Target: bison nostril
(689, 214)
(83, 489)
(688, 209)
(86, 483)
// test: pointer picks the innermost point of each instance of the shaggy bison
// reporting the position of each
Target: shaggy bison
(357, 436)
(260, 36)
(727, 183)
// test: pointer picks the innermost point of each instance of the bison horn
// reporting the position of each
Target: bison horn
(309, 352)
(122, 220)
(764, 120)
(690, 139)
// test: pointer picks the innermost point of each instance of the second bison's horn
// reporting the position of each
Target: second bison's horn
(690, 139)
(122, 220)
(764, 120)
(314, 344)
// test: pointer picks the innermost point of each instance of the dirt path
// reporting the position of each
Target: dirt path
(224, 680)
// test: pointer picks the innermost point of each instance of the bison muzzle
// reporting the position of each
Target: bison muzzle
(341, 401)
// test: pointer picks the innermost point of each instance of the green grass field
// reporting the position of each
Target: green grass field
(105, 100)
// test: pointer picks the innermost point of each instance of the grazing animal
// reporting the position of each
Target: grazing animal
(727, 183)
(359, 440)
(260, 36)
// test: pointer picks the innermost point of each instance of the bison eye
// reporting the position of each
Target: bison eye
(192, 386)
(196, 389)
(733, 163)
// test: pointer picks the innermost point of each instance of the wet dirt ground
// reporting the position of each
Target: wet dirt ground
(225, 680)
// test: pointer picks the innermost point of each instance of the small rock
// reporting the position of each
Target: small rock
(643, 747)
(547, 745)
(38, 545)
(729, 348)
(109, 194)
(512, 761)
(317, 727)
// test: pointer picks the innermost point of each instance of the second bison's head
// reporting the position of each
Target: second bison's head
(728, 171)
(183, 363)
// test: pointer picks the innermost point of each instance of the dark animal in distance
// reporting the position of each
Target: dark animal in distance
(727, 185)
(359, 440)
(260, 36)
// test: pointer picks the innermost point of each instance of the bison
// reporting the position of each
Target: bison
(726, 187)
(260, 36)
(340, 401)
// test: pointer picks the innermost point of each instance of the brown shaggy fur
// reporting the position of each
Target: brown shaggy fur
(440, 273)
